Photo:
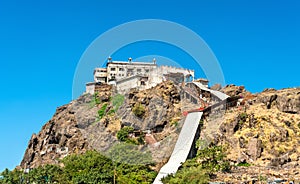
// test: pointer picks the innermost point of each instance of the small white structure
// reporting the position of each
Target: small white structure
(90, 87)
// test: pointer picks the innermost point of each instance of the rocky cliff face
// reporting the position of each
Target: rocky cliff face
(66, 132)
(161, 106)
(57, 138)
(264, 132)
(77, 126)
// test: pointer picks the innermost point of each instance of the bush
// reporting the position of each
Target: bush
(199, 169)
(97, 100)
(122, 135)
(102, 110)
(111, 111)
(193, 175)
(243, 116)
(212, 159)
(243, 164)
(139, 110)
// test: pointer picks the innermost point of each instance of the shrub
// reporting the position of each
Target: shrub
(243, 116)
(122, 135)
(243, 164)
(201, 123)
(193, 175)
(111, 111)
(199, 169)
(97, 100)
(102, 110)
(212, 159)
(139, 110)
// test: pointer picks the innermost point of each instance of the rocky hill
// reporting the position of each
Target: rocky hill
(262, 133)
(92, 122)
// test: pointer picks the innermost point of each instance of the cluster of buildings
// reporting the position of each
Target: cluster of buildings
(125, 75)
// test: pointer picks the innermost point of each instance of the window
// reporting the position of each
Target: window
(113, 69)
(129, 72)
(143, 83)
(139, 70)
(121, 69)
(146, 70)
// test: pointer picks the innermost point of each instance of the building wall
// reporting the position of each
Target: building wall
(125, 85)
(120, 70)
(140, 82)
(100, 75)
(170, 69)
(90, 88)
(126, 75)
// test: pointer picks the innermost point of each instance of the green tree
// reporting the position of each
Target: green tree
(91, 167)
(45, 174)
(88, 168)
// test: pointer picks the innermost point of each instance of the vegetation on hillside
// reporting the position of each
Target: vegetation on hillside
(91, 167)
(110, 107)
(123, 135)
(102, 110)
(139, 110)
(199, 169)
(117, 101)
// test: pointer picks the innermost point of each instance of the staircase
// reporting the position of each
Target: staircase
(182, 147)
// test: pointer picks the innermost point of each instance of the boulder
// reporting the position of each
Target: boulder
(255, 148)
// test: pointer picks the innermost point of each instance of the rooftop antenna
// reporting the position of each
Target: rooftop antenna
(130, 60)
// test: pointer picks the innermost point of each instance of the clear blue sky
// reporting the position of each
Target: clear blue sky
(41, 42)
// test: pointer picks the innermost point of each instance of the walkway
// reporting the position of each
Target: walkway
(182, 147)
(186, 138)
(218, 94)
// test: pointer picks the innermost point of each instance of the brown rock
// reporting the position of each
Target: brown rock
(254, 148)
(286, 100)
(216, 87)
(279, 161)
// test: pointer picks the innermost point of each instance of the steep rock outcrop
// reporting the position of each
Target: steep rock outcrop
(161, 105)
(286, 100)
(264, 132)
(58, 138)
(77, 126)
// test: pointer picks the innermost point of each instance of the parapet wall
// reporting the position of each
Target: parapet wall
(171, 69)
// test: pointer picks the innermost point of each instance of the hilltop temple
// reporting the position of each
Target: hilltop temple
(141, 75)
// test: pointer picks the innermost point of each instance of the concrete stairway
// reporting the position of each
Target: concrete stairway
(182, 147)
(186, 138)
(218, 94)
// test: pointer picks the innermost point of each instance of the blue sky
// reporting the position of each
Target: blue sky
(41, 42)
